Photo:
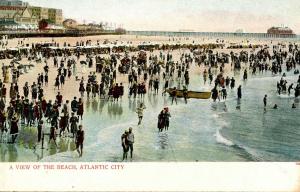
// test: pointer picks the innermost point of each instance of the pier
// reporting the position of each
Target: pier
(211, 34)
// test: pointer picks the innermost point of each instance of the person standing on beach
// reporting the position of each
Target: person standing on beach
(224, 93)
(140, 112)
(174, 95)
(239, 92)
(52, 135)
(56, 82)
(166, 118)
(40, 130)
(245, 76)
(205, 76)
(290, 88)
(210, 76)
(80, 108)
(46, 79)
(74, 105)
(160, 122)
(79, 141)
(81, 88)
(232, 83)
(3, 93)
(125, 147)
(265, 102)
(156, 86)
(185, 94)
(130, 138)
(26, 90)
(73, 121)
(14, 128)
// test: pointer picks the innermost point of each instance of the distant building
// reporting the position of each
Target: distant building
(53, 15)
(8, 12)
(17, 17)
(280, 31)
(13, 3)
(39, 12)
(70, 24)
(8, 8)
(25, 17)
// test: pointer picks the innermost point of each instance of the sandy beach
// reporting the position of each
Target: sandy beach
(70, 89)
(105, 121)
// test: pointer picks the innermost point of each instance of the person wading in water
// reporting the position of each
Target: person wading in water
(125, 147)
(265, 103)
(140, 112)
(185, 94)
(79, 141)
(130, 138)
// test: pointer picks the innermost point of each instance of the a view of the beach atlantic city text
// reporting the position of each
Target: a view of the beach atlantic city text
(149, 81)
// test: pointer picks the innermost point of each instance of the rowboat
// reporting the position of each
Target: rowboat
(191, 94)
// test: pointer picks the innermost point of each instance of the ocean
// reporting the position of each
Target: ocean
(200, 130)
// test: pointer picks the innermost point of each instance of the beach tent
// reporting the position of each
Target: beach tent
(13, 49)
(51, 47)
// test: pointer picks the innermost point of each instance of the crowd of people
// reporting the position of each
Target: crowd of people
(147, 73)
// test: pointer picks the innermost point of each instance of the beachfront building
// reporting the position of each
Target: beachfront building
(8, 12)
(51, 14)
(70, 24)
(24, 13)
(39, 12)
(13, 3)
(55, 15)
(25, 17)
(280, 31)
(17, 17)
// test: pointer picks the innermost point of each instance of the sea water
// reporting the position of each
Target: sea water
(201, 130)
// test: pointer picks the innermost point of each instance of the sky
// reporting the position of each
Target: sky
(175, 15)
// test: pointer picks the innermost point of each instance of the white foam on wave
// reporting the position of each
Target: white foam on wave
(219, 137)
(215, 115)
(104, 135)
(222, 140)
(290, 77)
(286, 96)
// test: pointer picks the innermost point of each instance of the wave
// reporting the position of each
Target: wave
(222, 140)
(288, 76)
(245, 152)
(285, 96)
(219, 137)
